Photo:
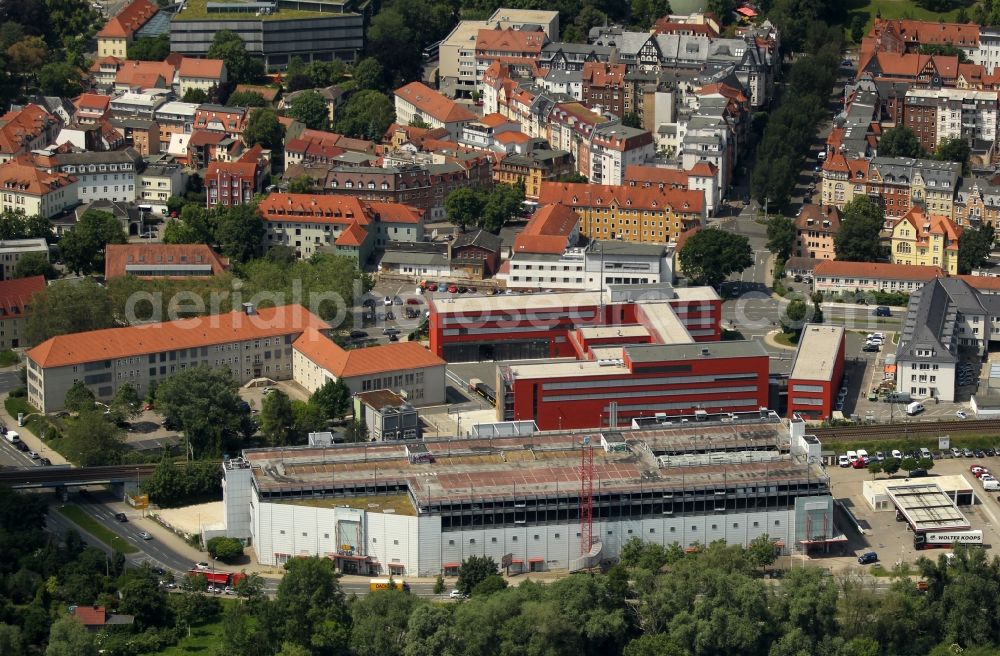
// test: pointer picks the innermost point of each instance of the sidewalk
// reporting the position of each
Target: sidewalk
(34, 442)
(770, 341)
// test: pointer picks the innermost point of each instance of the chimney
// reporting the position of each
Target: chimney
(249, 309)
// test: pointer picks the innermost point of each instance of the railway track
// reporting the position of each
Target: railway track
(915, 429)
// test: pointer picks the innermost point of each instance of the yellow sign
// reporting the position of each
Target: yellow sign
(140, 501)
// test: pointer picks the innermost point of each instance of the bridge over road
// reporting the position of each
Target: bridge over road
(65, 476)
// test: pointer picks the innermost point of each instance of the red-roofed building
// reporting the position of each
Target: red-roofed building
(26, 129)
(926, 240)
(15, 308)
(104, 70)
(836, 276)
(339, 224)
(135, 76)
(816, 228)
(235, 183)
(551, 230)
(27, 189)
(96, 618)
(203, 74)
(116, 35)
(91, 108)
(518, 49)
(645, 215)
(152, 260)
(406, 366)
(251, 344)
(216, 118)
(313, 147)
(416, 100)
(605, 89)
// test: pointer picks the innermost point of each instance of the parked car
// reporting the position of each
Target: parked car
(145, 535)
(45, 462)
(456, 594)
(896, 453)
(121, 517)
(452, 289)
(967, 453)
(33, 455)
(396, 300)
(871, 348)
(386, 301)
(961, 414)
(956, 452)
(868, 558)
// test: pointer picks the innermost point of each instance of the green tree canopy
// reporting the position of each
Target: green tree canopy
(150, 48)
(69, 637)
(304, 184)
(241, 68)
(781, 236)
(18, 225)
(900, 141)
(83, 248)
(60, 79)
(35, 264)
(204, 403)
(263, 128)
(91, 440)
(309, 108)
(64, 308)
(954, 150)
(311, 606)
(860, 229)
(974, 246)
(79, 397)
(368, 74)
(240, 232)
(276, 419)
(225, 549)
(368, 114)
(709, 256)
(246, 99)
(333, 398)
(195, 95)
(473, 571)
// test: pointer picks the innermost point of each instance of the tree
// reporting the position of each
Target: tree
(27, 55)
(155, 48)
(310, 108)
(276, 419)
(241, 68)
(68, 637)
(126, 404)
(464, 207)
(709, 256)
(240, 232)
(296, 77)
(632, 120)
(368, 114)
(925, 463)
(723, 9)
(225, 549)
(379, 623)
(891, 465)
(83, 248)
(304, 184)
(333, 398)
(944, 49)
(781, 236)
(489, 585)
(438, 584)
(474, 570)
(306, 418)
(246, 99)
(368, 74)
(645, 12)
(794, 317)
(503, 202)
(263, 128)
(204, 403)
(431, 632)
(142, 597)
(66, 308)
(11, 642)
(60, 79)
(35, 264)
(311, 606)
(355, 431)
(860, 227)
(909, 464)
(761, 551)
(90, 440)
(875, 467)
(974, 246)
(954, 150)
(858, 22)
(195, 95)
(79, 397)
(900, 141)
(18, 225)
(572, 177)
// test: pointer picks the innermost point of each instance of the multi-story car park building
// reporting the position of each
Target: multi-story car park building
(513, 327)
(420, 509)
(274, 31)
(817, 371)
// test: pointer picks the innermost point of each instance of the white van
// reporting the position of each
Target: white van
(926, 453)
(843, 461)
(852, 457)
(862, 454)
(914, 408)
(991, 485)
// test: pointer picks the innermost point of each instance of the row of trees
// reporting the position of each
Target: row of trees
(791, 129)
(238, 230)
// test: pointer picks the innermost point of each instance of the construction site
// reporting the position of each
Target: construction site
(533, 501)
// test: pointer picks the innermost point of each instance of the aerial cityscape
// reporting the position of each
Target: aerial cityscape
(499, 328)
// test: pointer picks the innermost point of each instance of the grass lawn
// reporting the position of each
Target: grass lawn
(99, 531)
(787, 339)
(203, 639)
(9, 358)
(895, 9)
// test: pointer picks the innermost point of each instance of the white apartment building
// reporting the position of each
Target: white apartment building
(588, 268)
(157, 183)
(29, 190)
(103, 175)
(613, 148)
(417, 101)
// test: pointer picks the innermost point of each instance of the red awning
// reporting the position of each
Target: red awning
(351, 557)
(516, 561)
(536, 559)
(452, 565)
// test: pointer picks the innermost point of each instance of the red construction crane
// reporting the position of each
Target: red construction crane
(586, 496)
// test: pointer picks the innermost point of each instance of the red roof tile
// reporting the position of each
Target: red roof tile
(20, 174)
(90, 615)
(877, 270)
(548, 230)
(582, 194)
(400, 356)
(354, 235)
(15, 295)
(434, 104)
(118, 257)
(509, 41)
(396, 212)
(201, 68)
(112, 343)
(133, 16)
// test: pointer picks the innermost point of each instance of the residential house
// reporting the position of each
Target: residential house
(926, 240)
(236, 183)
(174, 118)
(816, 228)
(701, 177)
(30, 190)
(102, 175)
(645, 215)
(15, 308)
(517, 48)
(143, 76)
(613, 148)
(114, 38)
(417, 101)
(24, 130)
(216, 118)
(835, 276)
(532, 163)
(604, 88)
(158, 181)
(477, 253)
(202, 74)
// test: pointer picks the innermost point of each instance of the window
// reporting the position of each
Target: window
(451, 543)
(472, 540)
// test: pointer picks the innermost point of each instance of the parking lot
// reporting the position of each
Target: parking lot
(891, 539)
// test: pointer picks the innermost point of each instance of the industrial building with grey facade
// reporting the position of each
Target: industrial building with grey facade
(421, 508)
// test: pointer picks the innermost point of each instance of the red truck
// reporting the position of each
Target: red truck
(218, 579)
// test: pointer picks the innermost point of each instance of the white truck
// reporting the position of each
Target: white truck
(12, 437)
(946, 539)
